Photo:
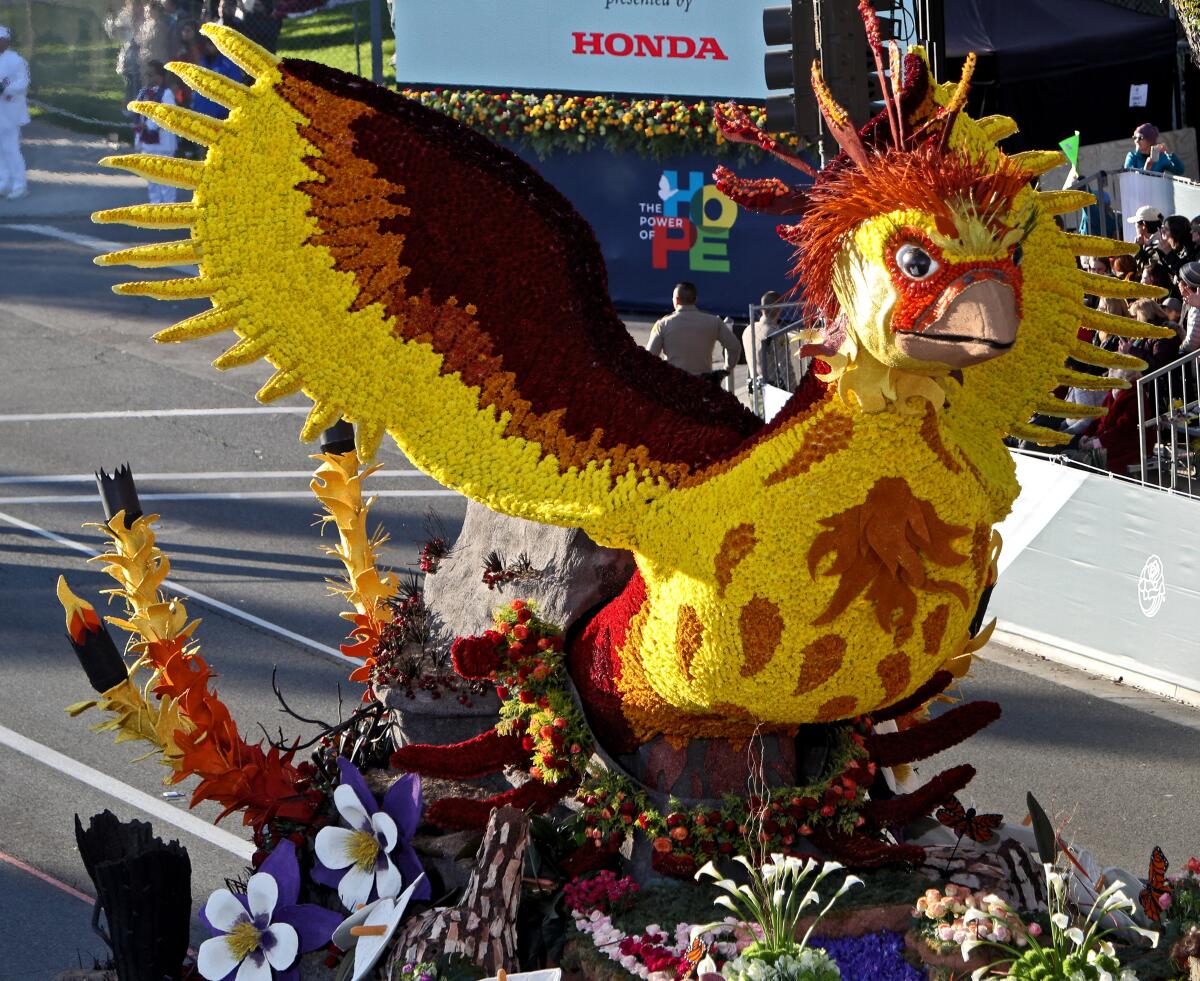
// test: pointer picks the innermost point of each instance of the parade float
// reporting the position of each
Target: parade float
(736, 720)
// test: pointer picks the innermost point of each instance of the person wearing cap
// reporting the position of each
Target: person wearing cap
(1150, 154)
(1148, 222)
(14, 113)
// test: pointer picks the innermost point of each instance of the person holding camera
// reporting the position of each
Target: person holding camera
(14, 113)
(1150, 154)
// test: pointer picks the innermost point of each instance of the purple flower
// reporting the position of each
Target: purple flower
(877, 956)
(259, 935)
(372, 857)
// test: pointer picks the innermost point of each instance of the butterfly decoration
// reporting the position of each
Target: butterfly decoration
(1156, 886)
(694, 955)
(967, 822)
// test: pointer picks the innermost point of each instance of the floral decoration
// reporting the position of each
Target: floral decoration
(942, 919)
(367, 306)
(372, 857)
(556, 123)
(259, 934)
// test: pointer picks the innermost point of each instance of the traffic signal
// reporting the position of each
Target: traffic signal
(791, 47)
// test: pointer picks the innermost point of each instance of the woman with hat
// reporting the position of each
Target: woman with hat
(1150, 154)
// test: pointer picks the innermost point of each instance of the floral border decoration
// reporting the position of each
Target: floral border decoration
(556, 122)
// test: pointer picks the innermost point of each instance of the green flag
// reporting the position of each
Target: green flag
(1070, 146)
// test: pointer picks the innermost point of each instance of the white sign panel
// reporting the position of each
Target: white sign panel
(658, 47)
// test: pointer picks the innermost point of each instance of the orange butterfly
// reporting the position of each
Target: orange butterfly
(694, 955)
(978, 827)
(1156, 885)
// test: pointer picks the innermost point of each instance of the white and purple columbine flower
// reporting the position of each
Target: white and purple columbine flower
(259, 936)
(372, 857)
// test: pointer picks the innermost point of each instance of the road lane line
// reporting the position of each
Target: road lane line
(97, 245)
(213, 496)
(47, 878)
(168, 584)
(248, 410)
(143, 801)
(90, 478)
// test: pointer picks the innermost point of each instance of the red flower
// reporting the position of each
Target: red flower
(474, 657)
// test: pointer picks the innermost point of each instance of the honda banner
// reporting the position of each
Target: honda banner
(667, 47)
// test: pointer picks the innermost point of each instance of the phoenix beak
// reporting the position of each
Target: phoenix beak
(974, 319)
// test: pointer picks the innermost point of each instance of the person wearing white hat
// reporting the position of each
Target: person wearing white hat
(1148, 221)
(14, 113)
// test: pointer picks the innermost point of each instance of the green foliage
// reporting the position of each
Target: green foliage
(328, 37)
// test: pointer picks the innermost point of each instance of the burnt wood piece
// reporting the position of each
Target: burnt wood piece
(144, 888)
(483, 926)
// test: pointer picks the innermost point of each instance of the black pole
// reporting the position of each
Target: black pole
(357, 51)
(376, 41)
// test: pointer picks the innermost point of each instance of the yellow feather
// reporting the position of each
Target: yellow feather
(1093, 383)
(1090, 354)
(247, 55)
(1040, 435)
(1060, 408)
(278, 385)
(174, 171)
(1037, 162)
(242, 353)
(996, 128)
(1064, 202)
(208, 83)
(202, 325)
(321, 417)
(150, 216)
(367, 437)
(1120, 326)
(186, 252)
(191, 288)
(1094, 245)
(194, 126)
(1123, 289)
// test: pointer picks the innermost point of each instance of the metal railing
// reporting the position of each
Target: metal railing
(772, 356)
(1172, 394)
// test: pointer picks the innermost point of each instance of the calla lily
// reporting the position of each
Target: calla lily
(381, 918)
(259, 935)
(372, 857)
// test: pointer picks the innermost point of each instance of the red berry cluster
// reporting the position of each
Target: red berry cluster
(603, 891)
(432, 552)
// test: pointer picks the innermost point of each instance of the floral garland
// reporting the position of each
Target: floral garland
(552, 123)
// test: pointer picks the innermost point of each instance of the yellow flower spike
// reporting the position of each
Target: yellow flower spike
(192, 288)
(174, 171)
(194, 126)
(150, 216)
(201, 325)
(252, 58)
(153, 256)
(996, 128)
(212, 84)
(337, 484)
(1064, 202)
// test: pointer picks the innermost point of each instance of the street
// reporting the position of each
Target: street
(86, 388)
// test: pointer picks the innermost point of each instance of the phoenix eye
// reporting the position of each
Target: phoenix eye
(915, 262)
(1017, 255)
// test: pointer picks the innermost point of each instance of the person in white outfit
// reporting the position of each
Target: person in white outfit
(149, 136)
(14, 113)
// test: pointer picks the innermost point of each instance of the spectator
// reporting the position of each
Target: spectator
(1150, 154)
(123, 27)
(155, 41)
(1189, 286)
(1148, 221)
(687, 337)
(229, 15)
(1124, 267)
(261, 24)
(189, 42)
(1196, 231)
(14, 113)
(207, 56)
(772, 361)
(1101, 265)
(1174, 307)
(1176, 243)
(1155, 351)
(1156, 274)
(1116, 433)
(148, 136)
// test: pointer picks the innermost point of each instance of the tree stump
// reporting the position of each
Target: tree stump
(483, 926)
(144, 888)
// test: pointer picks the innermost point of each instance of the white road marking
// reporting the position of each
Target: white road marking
(97, 245)
(124, 792)
(213, 496)
(200, 597)
(90, 478)
(250, 410)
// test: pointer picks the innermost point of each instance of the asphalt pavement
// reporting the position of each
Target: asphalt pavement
(84, 387)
